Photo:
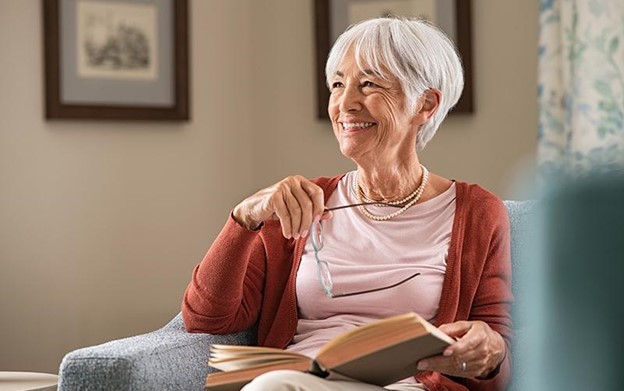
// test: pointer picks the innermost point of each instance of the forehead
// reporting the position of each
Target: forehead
(350, 65)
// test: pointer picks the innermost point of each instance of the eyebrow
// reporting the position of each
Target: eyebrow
(368, 72)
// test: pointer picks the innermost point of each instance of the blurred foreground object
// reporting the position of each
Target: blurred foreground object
(574, 299)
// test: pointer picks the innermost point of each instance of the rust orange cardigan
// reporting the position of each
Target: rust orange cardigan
(248, 277)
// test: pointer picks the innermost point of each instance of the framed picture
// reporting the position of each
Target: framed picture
(116, 59)
(334, 16)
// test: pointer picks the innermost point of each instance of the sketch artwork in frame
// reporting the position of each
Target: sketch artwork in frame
(116, 59)
(334, 16)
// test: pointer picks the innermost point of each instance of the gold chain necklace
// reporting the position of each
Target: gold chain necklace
(412, 198)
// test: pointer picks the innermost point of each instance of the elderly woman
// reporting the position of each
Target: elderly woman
(416, 242)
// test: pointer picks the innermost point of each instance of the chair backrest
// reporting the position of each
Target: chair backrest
(520, 219)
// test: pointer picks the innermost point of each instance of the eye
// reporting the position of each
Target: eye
(336, 84)
(369, 84)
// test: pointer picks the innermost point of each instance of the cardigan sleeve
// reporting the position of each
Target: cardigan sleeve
(243, 279)
(493, 297)
(225, 292)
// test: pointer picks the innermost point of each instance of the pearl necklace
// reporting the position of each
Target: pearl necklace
(412, 198)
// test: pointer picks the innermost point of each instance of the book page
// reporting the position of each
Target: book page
(231, 357)
(375, 330)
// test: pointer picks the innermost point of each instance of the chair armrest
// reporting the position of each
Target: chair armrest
(166, 359)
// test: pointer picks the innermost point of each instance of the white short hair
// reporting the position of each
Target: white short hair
(413, 51)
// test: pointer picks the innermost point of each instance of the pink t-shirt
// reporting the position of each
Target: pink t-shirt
(366, 254)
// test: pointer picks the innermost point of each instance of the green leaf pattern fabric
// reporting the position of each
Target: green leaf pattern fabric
(581, 85)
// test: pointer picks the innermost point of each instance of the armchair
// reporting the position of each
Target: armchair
(172, 359)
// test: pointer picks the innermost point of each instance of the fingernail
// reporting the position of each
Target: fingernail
(317, 219)
(422, 365)
(447, 352)
(304, 233)
(297, 236)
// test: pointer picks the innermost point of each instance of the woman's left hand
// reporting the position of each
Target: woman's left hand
(477, 352)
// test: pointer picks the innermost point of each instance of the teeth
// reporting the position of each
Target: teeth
(358, 125)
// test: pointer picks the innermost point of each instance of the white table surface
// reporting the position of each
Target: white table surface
(27, 381)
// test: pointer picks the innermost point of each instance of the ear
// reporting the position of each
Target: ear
(428, 104)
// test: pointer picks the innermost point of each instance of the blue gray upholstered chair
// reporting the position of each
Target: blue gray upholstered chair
(172, 359)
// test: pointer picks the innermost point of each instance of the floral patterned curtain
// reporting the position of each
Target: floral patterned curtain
(581, 85)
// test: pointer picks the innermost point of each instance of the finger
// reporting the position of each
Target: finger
(475, 352)
(456, 329)
(327, 215)
(446, 365)
(316, 195)
(294, 212)
(306, 210)
(281, 210)
(474, 337)
(468, 366)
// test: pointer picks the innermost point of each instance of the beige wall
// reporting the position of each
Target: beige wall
(101, 223)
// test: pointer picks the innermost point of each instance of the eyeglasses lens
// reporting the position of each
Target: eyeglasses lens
(325, 277)
(317, 236)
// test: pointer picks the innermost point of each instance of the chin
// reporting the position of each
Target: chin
(350, 150)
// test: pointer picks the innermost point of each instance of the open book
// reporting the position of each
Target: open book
(382, 352)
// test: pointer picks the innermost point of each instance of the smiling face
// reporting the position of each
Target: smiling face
(369, 114)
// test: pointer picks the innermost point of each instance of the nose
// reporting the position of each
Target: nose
(350, 101)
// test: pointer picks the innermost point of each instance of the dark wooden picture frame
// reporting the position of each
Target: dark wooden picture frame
(56, 108)
(463, 42)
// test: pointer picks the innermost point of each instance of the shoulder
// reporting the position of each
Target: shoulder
(476, 201)
(328, 183)
(476, 196)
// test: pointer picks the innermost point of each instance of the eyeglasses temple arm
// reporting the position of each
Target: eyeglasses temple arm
(376, 289)
(361, 204)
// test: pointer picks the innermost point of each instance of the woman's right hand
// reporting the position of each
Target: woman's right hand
(295, 201)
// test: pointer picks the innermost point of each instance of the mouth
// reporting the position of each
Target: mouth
(354, 127)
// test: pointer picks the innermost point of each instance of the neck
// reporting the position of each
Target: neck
(390, 182)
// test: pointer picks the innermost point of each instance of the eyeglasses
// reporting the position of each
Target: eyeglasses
(322, 267)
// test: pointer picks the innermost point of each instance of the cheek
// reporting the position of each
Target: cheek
(395, 117)
(388, 109)
(333, 105)
(333, 110)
